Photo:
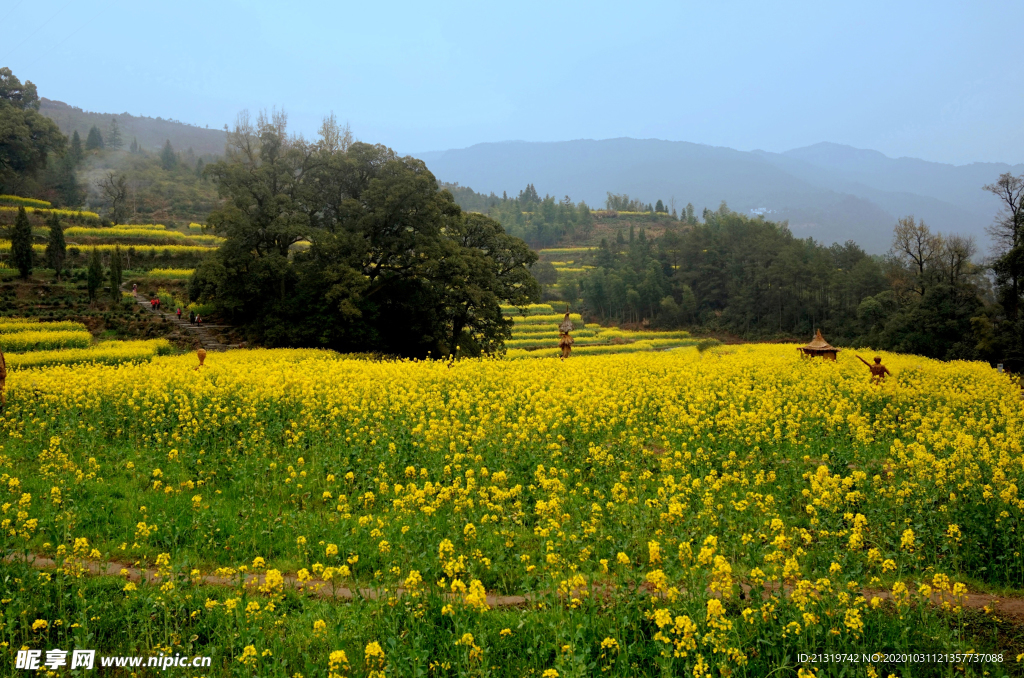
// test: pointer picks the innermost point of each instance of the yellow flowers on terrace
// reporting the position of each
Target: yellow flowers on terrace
(24, 202)
(170, 273)
(39, 340)
(105, 352)
(41, 211)
(11, 325)
(153, 250)
(141, 232)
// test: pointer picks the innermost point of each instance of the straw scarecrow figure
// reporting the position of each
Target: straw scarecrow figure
(564, 340)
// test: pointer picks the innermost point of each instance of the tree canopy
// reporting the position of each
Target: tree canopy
(539, 221)
(350, 247)
(26, 136)
(94, 140)
(56, 247)
(22, 255)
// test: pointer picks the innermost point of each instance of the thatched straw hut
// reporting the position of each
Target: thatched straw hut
(819, 348)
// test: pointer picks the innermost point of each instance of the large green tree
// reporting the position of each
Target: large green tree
(94, 141)
(56, 247)
(116, 274)
(94, 274)
(393, 265)
(114, 138)
(27, 137)
(22, 255)
(168, 158)
(76, 151)
(1007, 324)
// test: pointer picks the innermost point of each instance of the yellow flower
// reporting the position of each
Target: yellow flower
(248, 655)
(273, 582)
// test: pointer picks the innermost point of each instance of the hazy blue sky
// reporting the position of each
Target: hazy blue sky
(937, 80)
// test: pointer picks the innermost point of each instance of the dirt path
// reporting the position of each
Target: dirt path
(1011, 609)
(315, 587)
(207, 339)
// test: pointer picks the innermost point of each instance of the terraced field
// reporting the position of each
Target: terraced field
(27, 343)
(535, 335)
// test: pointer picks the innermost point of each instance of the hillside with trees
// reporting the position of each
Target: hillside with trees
(729, 274)
(829, 192)
(101, 168)
(149, 134)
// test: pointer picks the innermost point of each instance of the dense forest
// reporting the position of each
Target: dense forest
(743, 276)
(539, 221)
(750, 277)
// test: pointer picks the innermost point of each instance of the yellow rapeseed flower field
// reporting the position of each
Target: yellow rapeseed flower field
(155, 250)
(9, 325)
(171, 273)
(105, 352)
(656, 513)
(40, 339)
(59, 212)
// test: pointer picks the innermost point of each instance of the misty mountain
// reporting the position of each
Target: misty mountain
(151, 133)
(827, 191)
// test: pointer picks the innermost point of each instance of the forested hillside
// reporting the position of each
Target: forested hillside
(149, 133)
(829, 192)
(723, 272)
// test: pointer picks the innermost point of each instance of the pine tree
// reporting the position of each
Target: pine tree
(76, 151)
(115, 275)
(659, 206)
(134, 148)
(21, 244)
(94, 275)
(65, 181)
(94, 142)
(114, 139)
(168, 158)
(56, 248)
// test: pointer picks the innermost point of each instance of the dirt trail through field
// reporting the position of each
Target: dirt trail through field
(1009, 608)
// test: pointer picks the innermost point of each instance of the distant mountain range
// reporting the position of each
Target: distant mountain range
(830, 192)
(151, 133)
(827, 191)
